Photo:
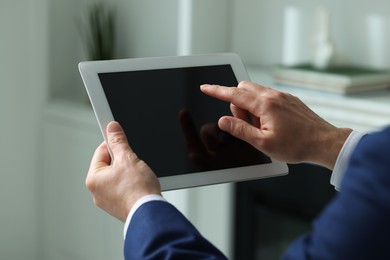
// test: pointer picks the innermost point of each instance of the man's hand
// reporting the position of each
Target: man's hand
(118, 185)
(278, 124)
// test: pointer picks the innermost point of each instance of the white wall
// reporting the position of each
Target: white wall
(72, 228)
(22, 83)
(145, 28)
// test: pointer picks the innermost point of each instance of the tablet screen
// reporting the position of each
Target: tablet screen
(171, 124)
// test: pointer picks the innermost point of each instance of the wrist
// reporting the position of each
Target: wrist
(330, 145)
(132, 201)
(137, 204)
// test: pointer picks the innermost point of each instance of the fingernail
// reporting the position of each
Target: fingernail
(204, 86)
(114, 127)
(225, 124)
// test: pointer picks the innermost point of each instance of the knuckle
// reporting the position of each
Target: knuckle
(240, 130)
(96, 202)
(236, 93)
(132, 157)
(273, 98)
(117, 138)
(90, 184)
(243, 84)
(141, 164)
(126, 159)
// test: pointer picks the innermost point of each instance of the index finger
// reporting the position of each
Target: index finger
(101, 157)
(240, 97)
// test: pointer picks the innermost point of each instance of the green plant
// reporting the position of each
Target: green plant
(99, 32)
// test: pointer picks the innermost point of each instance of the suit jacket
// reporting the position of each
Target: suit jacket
(355, 225)
(159, 231)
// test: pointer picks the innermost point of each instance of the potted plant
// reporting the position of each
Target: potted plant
(98, 32)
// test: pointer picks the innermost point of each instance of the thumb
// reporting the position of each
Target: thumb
(240, 129)
(117, 140)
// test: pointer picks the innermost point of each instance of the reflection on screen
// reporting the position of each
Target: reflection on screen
(171, 124)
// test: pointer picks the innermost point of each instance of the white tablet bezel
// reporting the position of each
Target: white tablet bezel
(89, 71)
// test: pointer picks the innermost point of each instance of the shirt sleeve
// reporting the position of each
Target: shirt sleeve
(343, 158)
(139, 203)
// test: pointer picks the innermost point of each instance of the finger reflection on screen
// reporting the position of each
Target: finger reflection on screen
(210, 148)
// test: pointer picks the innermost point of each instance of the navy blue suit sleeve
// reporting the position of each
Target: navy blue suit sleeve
(356, 224)
(159, 231)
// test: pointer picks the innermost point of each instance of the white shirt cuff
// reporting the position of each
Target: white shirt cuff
(139, 203)
(343, 159)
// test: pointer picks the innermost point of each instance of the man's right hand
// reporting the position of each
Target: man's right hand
(278, 124)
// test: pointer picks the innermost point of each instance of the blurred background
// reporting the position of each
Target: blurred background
(48, 131)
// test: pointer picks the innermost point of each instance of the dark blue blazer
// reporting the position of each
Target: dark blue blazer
(355, 225)
(159, 231)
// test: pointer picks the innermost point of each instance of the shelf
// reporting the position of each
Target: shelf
(365, 112)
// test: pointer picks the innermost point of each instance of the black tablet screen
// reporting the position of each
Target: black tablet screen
(171, 124)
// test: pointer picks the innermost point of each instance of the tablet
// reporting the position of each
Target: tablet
(170, 123)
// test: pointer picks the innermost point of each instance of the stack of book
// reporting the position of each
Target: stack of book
(345, 80)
